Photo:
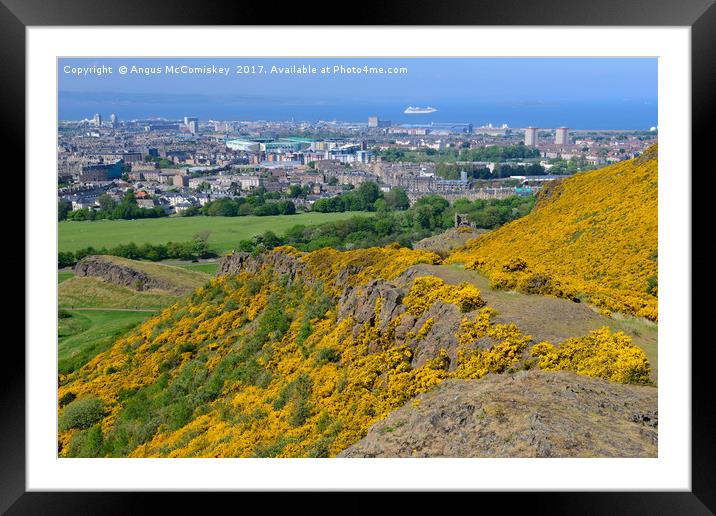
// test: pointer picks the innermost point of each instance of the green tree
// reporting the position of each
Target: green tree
(129, 198)
(368, 192)
(63, 208)
(397, 199)
(106, 202)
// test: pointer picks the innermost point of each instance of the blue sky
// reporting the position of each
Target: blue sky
(520, 88)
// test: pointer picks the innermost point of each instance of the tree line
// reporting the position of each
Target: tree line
(189, 250)
(367, 197)
(109, 208)
(429, 215)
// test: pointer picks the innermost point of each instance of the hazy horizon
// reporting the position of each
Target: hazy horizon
(581, 93)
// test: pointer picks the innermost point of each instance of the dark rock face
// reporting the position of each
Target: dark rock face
(345, 274)
(117, 274)
(527, 414)
(360, 302)
(281, 263)
(447, 318)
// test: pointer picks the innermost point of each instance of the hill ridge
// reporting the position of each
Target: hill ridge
(591, 236)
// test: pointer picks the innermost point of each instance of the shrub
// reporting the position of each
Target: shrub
(502, 281)
(271, 450)
(325, 355)
(535, 283)
(81, 413)
(87, 443)
(601, 354)
(67, 398)
(426, 290)
(514, 265)
(301, 411)
(187, 348)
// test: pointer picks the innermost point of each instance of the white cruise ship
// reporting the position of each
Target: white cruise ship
(410, 110)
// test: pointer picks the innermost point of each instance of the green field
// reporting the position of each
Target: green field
(225, 234)
(85, 333)
(207, 267)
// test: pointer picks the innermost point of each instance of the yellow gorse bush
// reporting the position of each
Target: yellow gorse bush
(601, 354)
(387, 262)
(592, 235)
(476, 363)
(428, 289)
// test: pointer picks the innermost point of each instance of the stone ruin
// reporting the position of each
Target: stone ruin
(461, 221)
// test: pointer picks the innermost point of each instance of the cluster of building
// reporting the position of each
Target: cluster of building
(595, 147)
(181, 163)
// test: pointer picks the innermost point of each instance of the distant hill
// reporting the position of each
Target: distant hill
(141, 276)
(592, 236)
(120, 283)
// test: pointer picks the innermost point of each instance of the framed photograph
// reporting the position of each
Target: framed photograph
(426, 252)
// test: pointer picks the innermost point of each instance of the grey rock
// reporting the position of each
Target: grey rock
(527, 414)
(281, 263)
(102, 267)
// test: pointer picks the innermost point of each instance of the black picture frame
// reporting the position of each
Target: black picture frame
(700, 15)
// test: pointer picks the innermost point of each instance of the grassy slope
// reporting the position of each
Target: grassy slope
(89, 292)
(595, 233)
(183, 279)
(86, 333)
(226, 232)
(206, 268)
(64, 275)
(94, 293)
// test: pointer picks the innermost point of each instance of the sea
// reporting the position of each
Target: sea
(621, 114)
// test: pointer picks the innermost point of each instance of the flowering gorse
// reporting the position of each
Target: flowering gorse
(592, 235)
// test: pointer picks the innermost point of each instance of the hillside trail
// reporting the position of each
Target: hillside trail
(549, 318)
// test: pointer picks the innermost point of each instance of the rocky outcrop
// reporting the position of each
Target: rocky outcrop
(282, 263)
(449, 240)
(526, 414)
(360, 304)
(441, 335)
(110, 270)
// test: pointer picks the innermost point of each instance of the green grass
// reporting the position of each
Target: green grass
(84, 292)
(64, 275)
(206, 268)
(86, 333)
(225, 234)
